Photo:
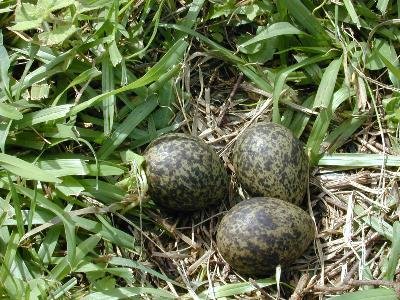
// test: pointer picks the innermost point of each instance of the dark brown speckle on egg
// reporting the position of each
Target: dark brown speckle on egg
(269, 161)
(184, 173)
(258, 234)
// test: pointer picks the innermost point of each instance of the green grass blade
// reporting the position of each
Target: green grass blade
(281, 79)
(84, 77)
(64, 289)
(4, 131)
(373, 294)
(127, 292)
(382, 6)
(172, 57)
(323, 100)
(63, 268)
(156, 21)
(358, 160)
(105, 192)
(116, 236)
(12, 284)
(327, 85)
(124, 262)
(69, 225)
(126, 127)
(49, 244)
(304, 17)
(317, 134)
(394, 253)
(16, 201)
(107, 83)
(352, 12)
(44, 115)
(300, 120)
(276, 29)
(76, 166)
(337, 137)
(233, 289)
(392, 69)
(4, 66)
(376, 222)
(24, 169)
(10, 112)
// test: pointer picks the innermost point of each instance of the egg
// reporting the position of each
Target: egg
(260, 233)
(270, 162)
(184, 173)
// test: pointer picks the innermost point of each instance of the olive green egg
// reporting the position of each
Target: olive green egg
(270, 162)
(258, 234)
(184, 173)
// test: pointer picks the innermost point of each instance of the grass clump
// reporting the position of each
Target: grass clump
(85, 85)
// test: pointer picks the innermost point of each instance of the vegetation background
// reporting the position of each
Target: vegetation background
(87, 84)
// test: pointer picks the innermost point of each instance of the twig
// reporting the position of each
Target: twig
(353, 283)
(227, 103)
(299, 291)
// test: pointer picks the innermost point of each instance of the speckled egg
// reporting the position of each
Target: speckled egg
(184, 173)
(270, 162)
(258, 234)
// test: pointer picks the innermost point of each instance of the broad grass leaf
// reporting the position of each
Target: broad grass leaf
(352, 12)
(57, 35)
(27, 17)
(51, 67)
(324, 100)
(16, 204)
(317, 135)
(276, 29)
(300, 119)
(51, 5)
(4, 131)
(103, 191)
(394, 70)
(115, 55)
(129, 292)
(382, 6)
(44, 115)
(10, 112)
(25, 169)
(190, 19)
(378, 49)
(70, 186)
